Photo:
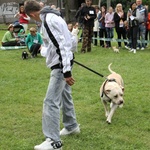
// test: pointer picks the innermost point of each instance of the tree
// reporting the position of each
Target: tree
(108, 3)
(66, 5)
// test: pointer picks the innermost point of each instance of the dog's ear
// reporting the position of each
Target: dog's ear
(122, 88)
(107, 91)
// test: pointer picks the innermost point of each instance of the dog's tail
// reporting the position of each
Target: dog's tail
(110, 68)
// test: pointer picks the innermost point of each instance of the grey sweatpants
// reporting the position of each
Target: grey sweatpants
(58, 94)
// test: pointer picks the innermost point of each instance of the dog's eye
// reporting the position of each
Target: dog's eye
(115, 96)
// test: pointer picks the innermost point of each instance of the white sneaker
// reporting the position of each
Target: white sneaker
(142, 48)
(48, 144)
(131, 50)
(64, 131)
(134, 51)
(137, 48)
(127, 47)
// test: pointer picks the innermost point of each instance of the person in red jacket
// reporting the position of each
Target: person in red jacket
(148, 24)
(147, 35)
(23, 18)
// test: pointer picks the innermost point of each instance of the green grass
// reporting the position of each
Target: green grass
(23, 85)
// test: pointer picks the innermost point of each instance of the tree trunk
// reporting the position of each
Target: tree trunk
(66, 5)
(99, 3)
(108, 4)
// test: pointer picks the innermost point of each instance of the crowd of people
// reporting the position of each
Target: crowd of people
(132, 26)
(98, 24)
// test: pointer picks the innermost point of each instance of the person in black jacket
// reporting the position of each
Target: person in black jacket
(88, 14)
(78, 14)
(133, 15)
(119, 18)
(79, 19)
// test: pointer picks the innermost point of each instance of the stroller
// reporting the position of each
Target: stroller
(19, 32)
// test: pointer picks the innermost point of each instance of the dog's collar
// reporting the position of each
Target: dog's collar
(103, 90)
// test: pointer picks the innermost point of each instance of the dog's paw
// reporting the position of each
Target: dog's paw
(108, 121)
(106, 114)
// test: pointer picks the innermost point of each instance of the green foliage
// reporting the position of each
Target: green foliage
(125, 3)
(23, 85)
(113, 3)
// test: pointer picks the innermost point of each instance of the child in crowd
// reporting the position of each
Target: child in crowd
(73, 28)
(22, 37)
(109, 25)
(96, 26)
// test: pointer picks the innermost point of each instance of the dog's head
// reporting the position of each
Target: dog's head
(24, 55)
(115, 93)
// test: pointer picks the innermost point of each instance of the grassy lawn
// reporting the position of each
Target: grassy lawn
(23, 85)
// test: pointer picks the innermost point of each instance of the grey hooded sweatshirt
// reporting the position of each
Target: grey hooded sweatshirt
(59, 29)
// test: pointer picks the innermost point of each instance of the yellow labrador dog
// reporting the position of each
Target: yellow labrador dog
(112, 91)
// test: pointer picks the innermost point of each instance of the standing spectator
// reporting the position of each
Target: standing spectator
(102, 30)
(60, 60)
(9, 38)
(96, 26)
(23, 18)
(80, 20)
(78, 14)
(119, 18)
(128, 35)
(109, 25)
(34, 42)
(39, 23)
(147, 30)
(148, 27)
(133, 15)
(142, 24)
(56, 8)
(61, 14)
(88, 15)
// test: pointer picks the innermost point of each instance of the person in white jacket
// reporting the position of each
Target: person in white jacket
(60, 59)
(96, 26)
(73, 28)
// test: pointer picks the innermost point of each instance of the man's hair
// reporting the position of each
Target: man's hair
(31, 6)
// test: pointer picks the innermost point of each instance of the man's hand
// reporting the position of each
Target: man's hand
(70, 81)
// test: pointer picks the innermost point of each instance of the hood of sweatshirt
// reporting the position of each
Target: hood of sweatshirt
(48, 9)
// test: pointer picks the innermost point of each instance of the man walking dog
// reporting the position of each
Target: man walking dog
(60, 59)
